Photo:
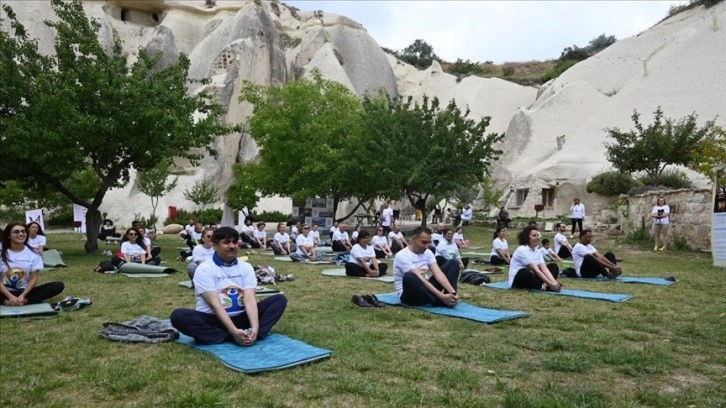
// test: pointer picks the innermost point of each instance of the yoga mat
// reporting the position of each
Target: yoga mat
(131, 267)
(462, 310)
(259, 291)
(629, 279)
(275, 352)
(52, 259)
(611, 297)
(288, 259)
(341, 272)
(146, 275)
(474, 253)
(40, 309)
(500, 271)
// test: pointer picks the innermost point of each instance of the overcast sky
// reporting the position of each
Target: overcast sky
(497, 31)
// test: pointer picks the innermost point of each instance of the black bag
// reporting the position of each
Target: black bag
(474, 278)
(105, 266)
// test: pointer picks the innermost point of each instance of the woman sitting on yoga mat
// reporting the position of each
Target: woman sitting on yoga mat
(281, 240)
(380, 244)
(260, 235)
(527, 270)
(227, 309)
(305, 247)
(500, 248)
(447, 250)
(363, 262)
(107, 230)
(132, 249)
(201, 252)
(20, 268)
(36, 238)
(459, 238)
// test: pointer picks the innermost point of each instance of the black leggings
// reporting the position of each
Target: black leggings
(39, 293)
(440, 260)
(591, 268)
(578, 222)
(415, 292)
(353, 269)
(527, 279)
(564, 252)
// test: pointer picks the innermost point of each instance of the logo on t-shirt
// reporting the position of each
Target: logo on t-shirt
(14, 277)
(231, 299)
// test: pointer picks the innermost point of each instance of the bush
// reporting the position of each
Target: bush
(671, 179)
(63, 217)
(561, 67)
(640, 235)
(208, 216)
(508, 71)
(271, 216)
(611, 183)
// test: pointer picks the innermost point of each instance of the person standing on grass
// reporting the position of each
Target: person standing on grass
(386, 217)
(589, 263)
(563, 249)
(661, 221)
(527, 269)
(418, 278)
(577, 214)
(226, 308)
(20, 268)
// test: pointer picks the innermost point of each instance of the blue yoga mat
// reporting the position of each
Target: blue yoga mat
(275, 352)
(611, 297)
(462, 310)
(630, 279)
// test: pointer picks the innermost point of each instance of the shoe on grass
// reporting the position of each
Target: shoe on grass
(360, 301)
(373, 300)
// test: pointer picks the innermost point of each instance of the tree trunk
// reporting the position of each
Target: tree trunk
(93, 225)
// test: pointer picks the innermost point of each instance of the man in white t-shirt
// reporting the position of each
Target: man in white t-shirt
(315, 235)
(227, 309)
(386, 217)
(466, 215)
(563, 249)
(589, 263)
(341, 240)
(396, 239)
(417, 277)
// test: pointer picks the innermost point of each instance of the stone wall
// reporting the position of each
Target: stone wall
(690, 214)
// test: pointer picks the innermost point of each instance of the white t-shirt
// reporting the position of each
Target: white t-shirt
(657, 210)
(302, 241)
(406, 260)
(39, 240)
(248, 229)
(354, 236)
(578, 254)
(340, 236)
(16, 273)
(315, 235)
(498, 244)
(522, 257)
(379, 242)
(467, 214)
(281, 238)
(201, 254)
(560, 239)
(393, 235)
(437, 237)
(147, 242)
(260, 235)
(196, 236)
(458, 236)
(366, 253)
(333, 230)
(132, 250)
(447, 249)
(577, 211)
(387, 215)
(189, 229)
(227, 281)
(546, 253)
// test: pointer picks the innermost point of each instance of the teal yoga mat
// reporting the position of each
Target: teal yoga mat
(611, 297)
(134, 268)
(462, 310)
(288, 259)
(40, 309)
(338, 272)
(52, 259)
(630, 279)
(275, 352)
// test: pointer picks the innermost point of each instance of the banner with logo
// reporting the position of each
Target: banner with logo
(35, 216)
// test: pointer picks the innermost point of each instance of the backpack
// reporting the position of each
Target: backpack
(105, 266)
(474, 278)
(341, 258)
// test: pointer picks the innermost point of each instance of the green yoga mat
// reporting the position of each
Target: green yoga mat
(52, 259)
(474, 254)
(146, 275)
(341, 272)
(135, 268)
(40, 309)
(288, 259)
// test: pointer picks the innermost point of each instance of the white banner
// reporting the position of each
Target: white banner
(79, 215)
(35, 216)
(718, 222)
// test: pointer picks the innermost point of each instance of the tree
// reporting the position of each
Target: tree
(84, 109)
(662, 143)
(153, 183)
(419, 54)
(710, 157)
(241, 192)
(465, 68)
(202, 194)
(441, 149)
(310, 133)
(574, 53)
(600, 42)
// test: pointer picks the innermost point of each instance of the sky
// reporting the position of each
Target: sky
(497, 31)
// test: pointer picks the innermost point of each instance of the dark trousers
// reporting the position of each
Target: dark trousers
(338, 247)
(39, 293)
(353, 269)
(249, 241)
(206, 328)
(526, 279)
(415, 292)
(440, 260)
(564, 252)
(591, 268)
(379, 254)
(395, 247)
(495, 260)
(578, 222)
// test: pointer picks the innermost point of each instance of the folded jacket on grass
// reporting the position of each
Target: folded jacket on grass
(134, 268)
(338, 272)
(275, 352)
(40, 309)
(631, 279)
(611, 297)
(283, 258)
(52, 259)
(462, 310)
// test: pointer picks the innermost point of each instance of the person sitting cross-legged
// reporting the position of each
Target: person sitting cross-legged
(363, 262)
(589, 263)
(341, 240)
(563, 249)
(201, 252)
(396, 240)
(305, 247)
(448, 251)
(226, 305)
(527, 268)
(281, 240)
(418, 278)
(380, 244)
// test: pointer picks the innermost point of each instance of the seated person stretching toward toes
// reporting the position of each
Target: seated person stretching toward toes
(548, 253)
(417, 277)
(589, 263)
(227, 309)
(563, 249)
(527, 270)
(363, 262)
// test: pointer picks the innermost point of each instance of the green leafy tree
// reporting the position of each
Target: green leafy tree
(465, 68)
(85, 109)
(202, 194)
(710, 158)
(662, 143)
(309, 132)
(153, 183)
(419, 54)
(441, 148)
(600, 42)
(241, 192)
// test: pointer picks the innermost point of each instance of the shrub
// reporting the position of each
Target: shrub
(680, 243)
(208, 216)
(508, 71)
(611, 183)
(63, 217)
(271, 216)
(640, 235)
(465, 68)
(561, 67)
(672, 179)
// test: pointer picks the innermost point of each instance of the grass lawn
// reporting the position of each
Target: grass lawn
(662, 348)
